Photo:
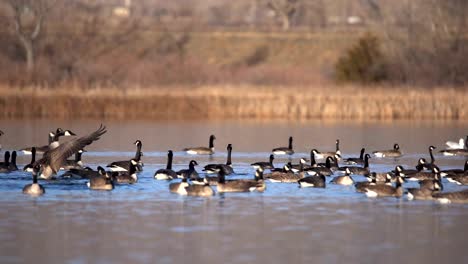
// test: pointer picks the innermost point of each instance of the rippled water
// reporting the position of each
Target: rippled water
(145, 223)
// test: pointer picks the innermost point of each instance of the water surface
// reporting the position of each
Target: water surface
(144, 223)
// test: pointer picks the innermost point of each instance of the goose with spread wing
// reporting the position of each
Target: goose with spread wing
(54, 159)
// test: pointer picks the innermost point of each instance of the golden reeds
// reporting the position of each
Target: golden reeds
(238, 102)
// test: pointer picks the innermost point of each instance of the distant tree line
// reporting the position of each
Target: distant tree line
(49, 41)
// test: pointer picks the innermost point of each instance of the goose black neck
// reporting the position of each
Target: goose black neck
(361, 156)
(132, 168)
(366, 162)
(221, 177)
(7, 158)
(78, 156)
(138, 152)
(328, 162)
(169, 161)
(228, 161)
(34, 177)
(33, 155)
(211, 142)
(13, 158)
(290, 143)
(271, 159)
(432, 156)
(466, 166)
(313, 163)
(337, 145)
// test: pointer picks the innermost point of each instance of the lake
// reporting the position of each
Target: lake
(144, 223)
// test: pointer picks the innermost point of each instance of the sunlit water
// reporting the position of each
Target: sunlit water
(144, 223)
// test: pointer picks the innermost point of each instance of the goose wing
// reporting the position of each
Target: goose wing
(55, 158)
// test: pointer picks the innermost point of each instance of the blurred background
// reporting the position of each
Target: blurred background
(288, 47)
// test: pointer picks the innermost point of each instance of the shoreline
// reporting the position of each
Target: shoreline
(237, 102)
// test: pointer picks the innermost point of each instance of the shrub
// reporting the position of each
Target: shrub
(363, 62)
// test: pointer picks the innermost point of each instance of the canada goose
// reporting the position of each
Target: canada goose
(53, 159)
(455, 197)
(34, 188)
(456, 145)
(75, 163)
(235, 185)
(356, 161)
(227, 168)
(331, 153)
(361, 186)
(460, 179)
(199, 190)
(29, 167)
(326, 171)
(316, 181)
(167, 173)
(101, 181)
(202, 150)
(53, 141)
(385, 190)
(5, 165)
(455, 172)
(128, 176)
(284, 150)
(179, 187)
(124, 165)
(264, 164)
(190, 173)
(394, 153)
(344, 179)
(423, 193)
(423, 175)
(358, 170)
(430, 166)
(12, 166)
(286, 176)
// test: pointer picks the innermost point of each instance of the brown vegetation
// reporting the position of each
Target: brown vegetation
(232, 102)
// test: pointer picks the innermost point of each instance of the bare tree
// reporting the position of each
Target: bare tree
(28, 19)
(285, 9)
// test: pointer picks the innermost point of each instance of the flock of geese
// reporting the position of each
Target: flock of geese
(307, 173)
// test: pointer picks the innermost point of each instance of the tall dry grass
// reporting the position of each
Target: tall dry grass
(237, 102)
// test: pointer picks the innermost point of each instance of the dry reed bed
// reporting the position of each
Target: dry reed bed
(294, 103)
